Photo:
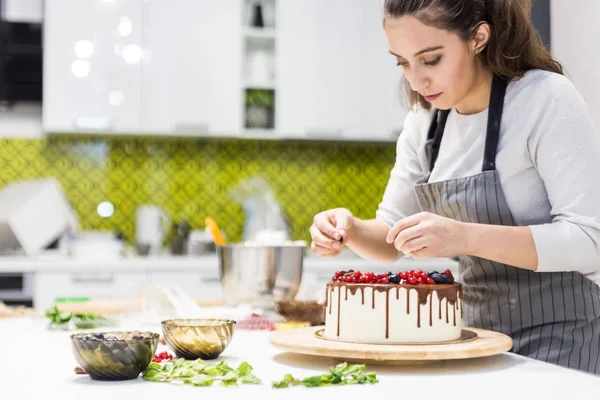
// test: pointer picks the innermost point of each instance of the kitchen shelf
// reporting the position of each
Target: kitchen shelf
(260, 33)
(250, 84)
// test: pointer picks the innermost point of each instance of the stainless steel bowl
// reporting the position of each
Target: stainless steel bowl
(260, 275)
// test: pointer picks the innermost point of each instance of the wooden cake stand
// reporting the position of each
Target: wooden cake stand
(473, 343)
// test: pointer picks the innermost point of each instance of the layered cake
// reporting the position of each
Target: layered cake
(402, 307)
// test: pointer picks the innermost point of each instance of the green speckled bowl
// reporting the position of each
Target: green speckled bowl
(198, 338)
(115, 360)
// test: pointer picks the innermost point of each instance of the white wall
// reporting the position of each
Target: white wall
(575, 32)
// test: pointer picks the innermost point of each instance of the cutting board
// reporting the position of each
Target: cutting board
(473, 343)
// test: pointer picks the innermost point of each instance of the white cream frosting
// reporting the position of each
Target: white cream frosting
(393, 313)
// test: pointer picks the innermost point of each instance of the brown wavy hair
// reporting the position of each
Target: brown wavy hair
(514, 46)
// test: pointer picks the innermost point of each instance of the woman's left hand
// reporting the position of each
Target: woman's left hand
(427, 235)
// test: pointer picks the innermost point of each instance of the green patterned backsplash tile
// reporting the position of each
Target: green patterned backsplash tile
(191, 179)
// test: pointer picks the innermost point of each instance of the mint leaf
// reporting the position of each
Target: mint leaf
(312, 381)
(200, 380)
(280, 385)
(355, 368)
(244, 369)
(285, 382)
(200, 373)
(372, 378)
(341, 374)
(250, 380)
(339, 369)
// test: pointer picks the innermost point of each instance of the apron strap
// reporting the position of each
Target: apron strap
(436, 131)
(493, 123)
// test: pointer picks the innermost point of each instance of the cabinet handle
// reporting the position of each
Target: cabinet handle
(210, 280)
(191, 128)
(92, 279)
(100, 124)
(325, 133)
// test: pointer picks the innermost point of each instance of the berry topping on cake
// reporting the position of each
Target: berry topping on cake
(412, 277)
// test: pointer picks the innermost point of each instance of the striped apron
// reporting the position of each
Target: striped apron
(551, 316)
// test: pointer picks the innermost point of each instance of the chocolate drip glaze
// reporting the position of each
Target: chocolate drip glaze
(330, 297)
(387, 314)
(373, 298)
(339, 306)
(431, 309)
(452, 293)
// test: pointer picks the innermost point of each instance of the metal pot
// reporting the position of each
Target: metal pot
(260, 275)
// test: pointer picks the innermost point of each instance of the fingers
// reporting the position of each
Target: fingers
(323, 251)
(413, 246)
(322, 242)
(343, 221)
(406, 235)
(400, 226)
(325, 225)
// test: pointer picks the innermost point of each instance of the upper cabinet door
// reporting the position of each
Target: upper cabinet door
(382, 110)
(318, 68)
(191, 75)
(92, 62)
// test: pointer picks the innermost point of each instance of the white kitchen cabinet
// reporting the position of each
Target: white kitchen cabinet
(92, 63)
(191, 79)
(318, 68)
(382, 112)
(90, 284)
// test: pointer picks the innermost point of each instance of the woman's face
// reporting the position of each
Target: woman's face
(437, 63)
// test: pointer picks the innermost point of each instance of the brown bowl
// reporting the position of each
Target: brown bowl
(198, 338)
(114, 356)
(306, 311)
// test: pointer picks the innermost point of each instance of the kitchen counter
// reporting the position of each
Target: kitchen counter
(39, 363)
(59, 263)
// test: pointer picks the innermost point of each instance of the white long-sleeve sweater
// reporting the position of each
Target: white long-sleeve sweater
(548, 161)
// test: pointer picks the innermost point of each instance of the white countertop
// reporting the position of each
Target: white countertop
(38, 364)
(59, 263)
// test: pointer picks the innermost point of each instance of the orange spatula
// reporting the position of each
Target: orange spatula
(214, 230)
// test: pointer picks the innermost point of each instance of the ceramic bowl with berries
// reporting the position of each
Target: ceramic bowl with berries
(412, 277)
(114, 355)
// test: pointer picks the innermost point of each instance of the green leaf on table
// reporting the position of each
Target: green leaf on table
(244, 369)
(312, 381)
(250, 380)
(200, 373)
(200, 380)
(341, 374)
(372, 378)
(229, 382)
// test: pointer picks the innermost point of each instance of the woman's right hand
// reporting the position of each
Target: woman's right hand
(330, 231)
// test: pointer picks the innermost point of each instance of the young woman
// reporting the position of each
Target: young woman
(498, 165)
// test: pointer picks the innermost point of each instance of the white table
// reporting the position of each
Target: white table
(38, 364)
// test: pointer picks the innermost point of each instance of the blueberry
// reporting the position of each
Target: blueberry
(431, 273)
(437, 277)
(394, 278)
(390, 273)
(111, 338)
(99, 336)
(446, 278)
(138, 337)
